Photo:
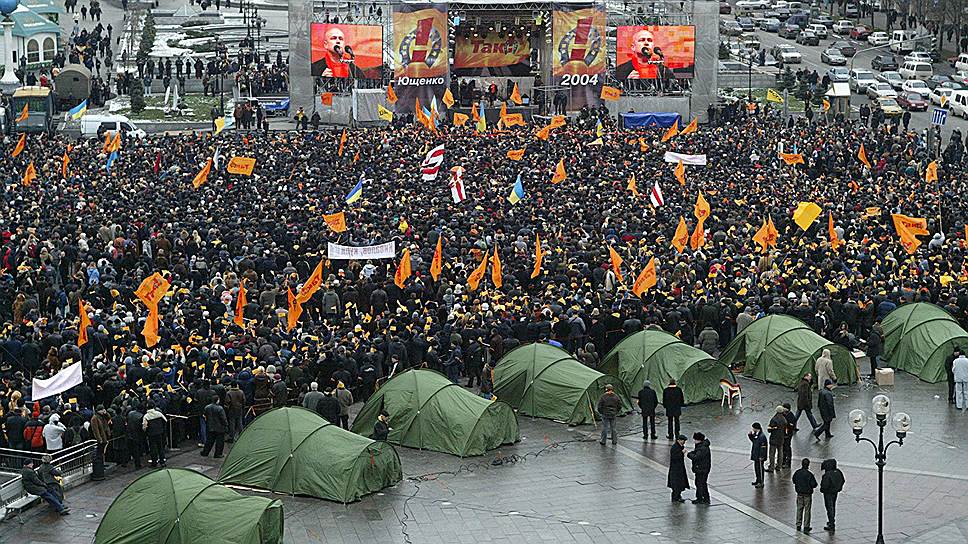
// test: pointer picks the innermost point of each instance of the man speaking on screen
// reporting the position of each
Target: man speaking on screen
(647, 60)
(338, 57)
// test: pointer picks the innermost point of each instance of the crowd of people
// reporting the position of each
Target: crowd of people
(82, 235)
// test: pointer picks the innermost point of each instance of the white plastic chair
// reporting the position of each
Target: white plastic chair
(730, 391)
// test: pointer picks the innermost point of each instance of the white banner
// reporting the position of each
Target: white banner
(694, 160)
(62, 381)
(337, 252)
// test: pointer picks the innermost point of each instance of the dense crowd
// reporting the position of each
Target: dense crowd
(91, 237)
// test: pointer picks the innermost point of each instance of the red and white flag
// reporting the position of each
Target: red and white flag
(457, 184)
(431, 164)
(655, 195)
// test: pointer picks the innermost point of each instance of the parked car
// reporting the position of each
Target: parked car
(806, 37)
(749, 40)
(860, 33)
(746, 23)
(845, 48)
(915, 86)
(725, 8)
(860, 79)
(752, 4)
(787, 54)
(912, 102)
(783, 13)
(889, 106)
(789, 31)
(884, 62)
(842, 27)
(940, 92)
(937, 80)
(850, 10)
(770, 25)
(892, 78)
(839, 74)
(877, 39)
(959, 104)
(818, 29)
(730, 28)
(833, 57)
(880, 89)
(918, 56)
(824, 20)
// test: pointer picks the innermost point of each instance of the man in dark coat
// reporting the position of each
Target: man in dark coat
(788, 437)
(648, 401)
(609, 405)
(827, 413)
(218, 424)
(381, 429)
(702, 463)
(328, 407)
(677, 480)
(777, 431)
(804, 483)
(136, 436)
(35, 486)
(757, 452)
(831, 483)
(875, 346)
(805, 400)
(672, 400)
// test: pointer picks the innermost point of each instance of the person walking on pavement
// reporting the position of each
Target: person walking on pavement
(950, 373)
(648, 400)
(959, 367)
(825, 369)
(757, 452)
(804, 483)
(609, 405)
(831, 483)
(777, 431)
(702, 463)
(672, 400)
(218, 424)
(677, 480)
(805, 401)
(827, 413)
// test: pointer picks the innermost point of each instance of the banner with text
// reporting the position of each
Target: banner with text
(493, 54)
(420, 54)
(336, 252)
(578, 54)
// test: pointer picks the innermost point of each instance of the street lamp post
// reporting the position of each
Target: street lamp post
(881, 406)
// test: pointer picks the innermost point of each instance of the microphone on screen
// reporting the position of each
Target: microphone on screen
(349, 50)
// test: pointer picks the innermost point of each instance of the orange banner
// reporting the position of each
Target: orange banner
(420, 53)
(505, 55)
(578, 42)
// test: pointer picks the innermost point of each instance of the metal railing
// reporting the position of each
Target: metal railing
(74, 462)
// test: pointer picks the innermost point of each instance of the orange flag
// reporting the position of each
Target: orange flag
(680, 172)
(497, 273)
(516, 154)
(460, 119)
(537, 257)
(115, 142)
(544, 133)
(516, 95)
(295, 310)
(643, 147)
(831, 233)
(336, 221)
(30, 174)
(326, 99)
(477, 275)
(514, 119)
(862, 155)
(150, 330)
(698, 238)
(646, 279)
(917, 226)
(610, 94)
(342, 143)
(474, 115)
(691, 127)
(240, 303)
(701, 209)
(931, 172)
(909, 242)
(681, 238)
(64, 162)
(403, 270)
(502, 116)
(20, 145)
(84, 324)
(762, 237)
(792, 158)
(202, 175)
(616, 263)
(672, 132)
(557, 121)
(152, 289)
(632, 186)
(391, 95)
(560, 173)
(312, 284)
(437, 265)
(24, 114)
(107, 142)
(448, 98)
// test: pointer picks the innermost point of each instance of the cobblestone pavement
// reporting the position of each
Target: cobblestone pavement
(558, 484)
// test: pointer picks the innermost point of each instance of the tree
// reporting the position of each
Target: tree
(137, 96)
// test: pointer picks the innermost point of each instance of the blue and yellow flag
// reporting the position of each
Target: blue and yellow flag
(356, 192)
(78, 111)
(481, 120)
(517, 192)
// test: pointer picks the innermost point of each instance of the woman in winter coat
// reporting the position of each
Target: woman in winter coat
(678, 480)
(825, 369)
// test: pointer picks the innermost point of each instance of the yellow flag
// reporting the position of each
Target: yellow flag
(931, 172)
(862, 155)
(832, 233)
(632, 186)
(643, 146)
(610, 94)
(84, 324)
(336, 221)
(241, 165)
(391, 95)
(65, 160)
(792, 158)
(537, 257)
(384, 113)
(762, 237)
(701, 209)
(691, 127)
(560, 173)
(681, 238)
(516, 95)
(403, 270)
(672, 132)
(646, 279)
(20, 145)
(30, 174)
(240, 303)
(448, 98)
(773, 96)
(698, 238)
(805, 214)
(497, 273)
(219, 125)
(680, 172)
(202, 175)
(460, 119)
(616, 263)
(477, 275)
(152, 289)
(312, 284)
(437, 264)
(516, 154)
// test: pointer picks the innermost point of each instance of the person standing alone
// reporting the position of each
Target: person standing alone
(609, 405)
(959, 367)
(777, 431)
(672, 400)
(701, 465)
(648, 400)
(218, 424)
(804, 483)
(831, 483)
(757, 452)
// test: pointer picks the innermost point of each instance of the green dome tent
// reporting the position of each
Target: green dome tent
(919, 337)
(781, 349)
(295, 451)
(428, 411)
(181, 506)
(541, 380)
(658, 356)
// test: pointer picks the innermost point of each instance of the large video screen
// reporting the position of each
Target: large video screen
(346, 51)
(578, 36)
(493, 53)
(655, 52)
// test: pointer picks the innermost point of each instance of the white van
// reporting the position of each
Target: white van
(96, 125)
(958, 102)
(961, 63)
(902, 41)
(916, 70)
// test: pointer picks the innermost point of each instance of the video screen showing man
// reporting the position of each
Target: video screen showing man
(655, 52)
(346, 51)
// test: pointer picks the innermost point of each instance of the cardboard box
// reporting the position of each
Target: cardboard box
(884, 376)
